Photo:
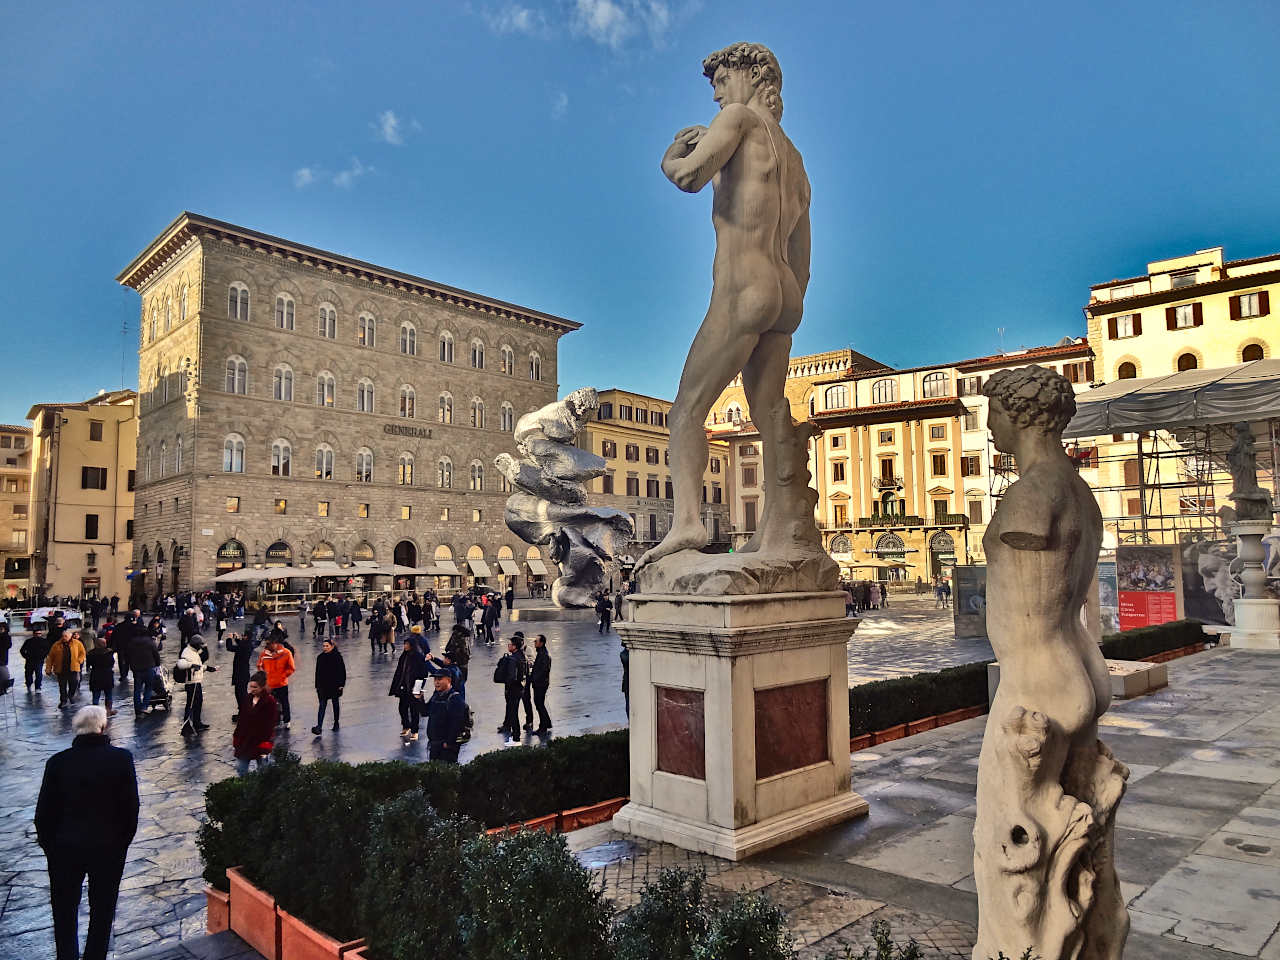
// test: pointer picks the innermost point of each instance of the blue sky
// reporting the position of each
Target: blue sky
(975, 166)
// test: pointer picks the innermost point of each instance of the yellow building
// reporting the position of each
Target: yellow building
(15, 504)
(1185, 313)
(82, 478)
(630, 431)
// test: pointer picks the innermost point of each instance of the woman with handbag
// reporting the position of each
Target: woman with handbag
(189, 671)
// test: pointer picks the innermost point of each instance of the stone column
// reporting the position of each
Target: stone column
(1257, 616)
(739, 719)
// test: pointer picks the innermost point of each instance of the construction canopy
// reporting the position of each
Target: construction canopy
(1189, 398)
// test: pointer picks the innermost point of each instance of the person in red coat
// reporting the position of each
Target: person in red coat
(255, 732)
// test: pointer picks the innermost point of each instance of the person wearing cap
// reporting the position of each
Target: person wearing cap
(406, 684)
(512, 672)
(193, 658)
(446, 719)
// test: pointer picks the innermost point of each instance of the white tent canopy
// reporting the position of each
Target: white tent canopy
(1190, 398)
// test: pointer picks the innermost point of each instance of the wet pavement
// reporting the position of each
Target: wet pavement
(161, 899)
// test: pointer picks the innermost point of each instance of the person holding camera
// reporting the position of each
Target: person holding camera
(189, 671)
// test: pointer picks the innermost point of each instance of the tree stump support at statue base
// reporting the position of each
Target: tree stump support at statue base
(739, 719)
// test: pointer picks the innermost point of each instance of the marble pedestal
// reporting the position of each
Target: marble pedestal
(1257, 625)
(739, 719)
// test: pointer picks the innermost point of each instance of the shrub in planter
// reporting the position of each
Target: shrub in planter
(751, 927)
(234, 835)
(525, 895)
(412, 857)
(882, 947)
(508, 785)
(591, 768)
(669, 921)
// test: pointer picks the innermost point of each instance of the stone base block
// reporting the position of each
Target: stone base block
(1257, 625)
(546, 614)
(653, 824)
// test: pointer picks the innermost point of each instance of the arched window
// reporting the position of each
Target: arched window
(477, 354)
(508, 361)
(323, 551)
(936, 385)
(366, 330)
(238, 302)
(1187, 361)
(446, 346)
(281, 459)
(444, 472)
(477, 475)
(362, 551)
(408, 339)
(508, 417)
(1252, 352)
(884, 391)
(163, 376)
(840, 544)
(813, 404)
(891, 547)
(146, 466)
(535, 367)
(404, 470)
(154, 330)
(364, 395)
(407, 397)
(168, 315)
(328, 326)
(164, 453)
(836, 398)
(177, 455)
(445, 409)
(364, 465)
(282, 382)
(733, 413)
(284, 311)
(230, 556)
(477, 412)
(324, 462)
(237, 375)
(1126, 371)
(233, 454)
(326, 389)
(182, 306)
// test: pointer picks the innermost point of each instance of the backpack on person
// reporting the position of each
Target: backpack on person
(506, 671)
(182, 672)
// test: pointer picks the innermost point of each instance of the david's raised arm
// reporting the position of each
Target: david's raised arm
(697, 154)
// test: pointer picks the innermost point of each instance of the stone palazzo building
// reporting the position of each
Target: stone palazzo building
(301, 407)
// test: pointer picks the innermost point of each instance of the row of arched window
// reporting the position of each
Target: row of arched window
(326, 395)
(286, 318)
(168, 313)
(282, 464)
(1128, 370)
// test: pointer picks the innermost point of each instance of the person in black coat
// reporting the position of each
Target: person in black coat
(241, 665)
(512, 672)
(625, 656)
(101, 662)
(34, 650)
(446, 719)
(121, 637)
(331, 677)
(406, 683)
(77, 845)
(144, 660)
(539, 680)
(510, 599)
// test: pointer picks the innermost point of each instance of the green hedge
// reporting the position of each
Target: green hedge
(1148, 641)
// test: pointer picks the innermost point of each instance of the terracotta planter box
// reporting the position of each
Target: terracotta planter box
(218, 910)
(589, 816)
(920, 726)
(301, 941)
(860, 742)
(253, 915)
(974, 711)
(357, 953)
(499, 831)
(548, 824)
(889, 734)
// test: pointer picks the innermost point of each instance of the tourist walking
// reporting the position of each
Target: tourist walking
(490, 618)
(241, 648)
(407, 684)
(64, 663)
(255, 733)
(77, 845)
(509, 598)
(539, 680)
(189, 671)
(458, 650)
(144, 661)
(625, 656)
(277, 663)
(512, 672)
(604, 612)
(102, 676)
(303, 607)
(331, 677)
(446, 719)
(34, 651)
(874, 597)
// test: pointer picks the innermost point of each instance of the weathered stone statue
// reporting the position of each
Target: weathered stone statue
(1047, 787)
(761, 270)
(1252, 502)
(549, 505)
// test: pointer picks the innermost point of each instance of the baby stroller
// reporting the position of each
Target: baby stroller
(161, 692)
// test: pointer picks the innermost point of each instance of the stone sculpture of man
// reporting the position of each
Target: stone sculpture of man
(761, 270)
(1047, 787)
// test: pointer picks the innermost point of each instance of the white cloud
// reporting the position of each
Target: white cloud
(387, 127)
(514, 18)
(303, 177)
(604, 21)
(346, 178)
(559, 105)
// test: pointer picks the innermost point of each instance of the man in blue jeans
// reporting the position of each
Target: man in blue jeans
(144, 661)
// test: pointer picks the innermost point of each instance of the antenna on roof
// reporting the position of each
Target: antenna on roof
(1000, 332)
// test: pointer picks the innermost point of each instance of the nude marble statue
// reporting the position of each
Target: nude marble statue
(1047, 787)
(760, 212)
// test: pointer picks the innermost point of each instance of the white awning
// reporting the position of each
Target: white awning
(243, 575)
(537, 566)
(508, 568)
(365, 563)
(446, 568)
(479, 568)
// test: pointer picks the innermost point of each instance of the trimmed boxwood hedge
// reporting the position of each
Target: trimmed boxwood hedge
(1148, 641)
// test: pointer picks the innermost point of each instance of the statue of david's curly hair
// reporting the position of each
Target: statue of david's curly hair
(760, 62)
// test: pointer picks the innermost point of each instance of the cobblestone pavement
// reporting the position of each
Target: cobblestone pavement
(910, 636)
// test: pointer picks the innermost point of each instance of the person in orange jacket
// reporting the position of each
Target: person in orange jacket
(277, 663)
(64, 662)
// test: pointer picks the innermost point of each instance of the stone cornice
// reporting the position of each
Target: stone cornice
(189, 226)
(733, 641)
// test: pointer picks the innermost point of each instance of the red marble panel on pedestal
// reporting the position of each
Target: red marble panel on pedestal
(791, 727)
(682, 732)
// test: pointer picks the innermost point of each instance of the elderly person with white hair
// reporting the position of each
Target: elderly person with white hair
(77, 843)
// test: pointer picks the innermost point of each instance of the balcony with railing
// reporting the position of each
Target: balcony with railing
(886, 483)
(883, 520)
(950, 519)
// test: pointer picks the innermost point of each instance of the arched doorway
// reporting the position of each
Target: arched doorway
(446, 569)
(889, 546)
(537, 573)
(278, 555)
(362, 551)
(160, 575)
(476, 566)
(230, 556)
(405, 554)
(507, 569)
(942, 554)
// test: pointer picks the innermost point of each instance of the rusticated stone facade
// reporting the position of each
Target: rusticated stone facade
(231, 385)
